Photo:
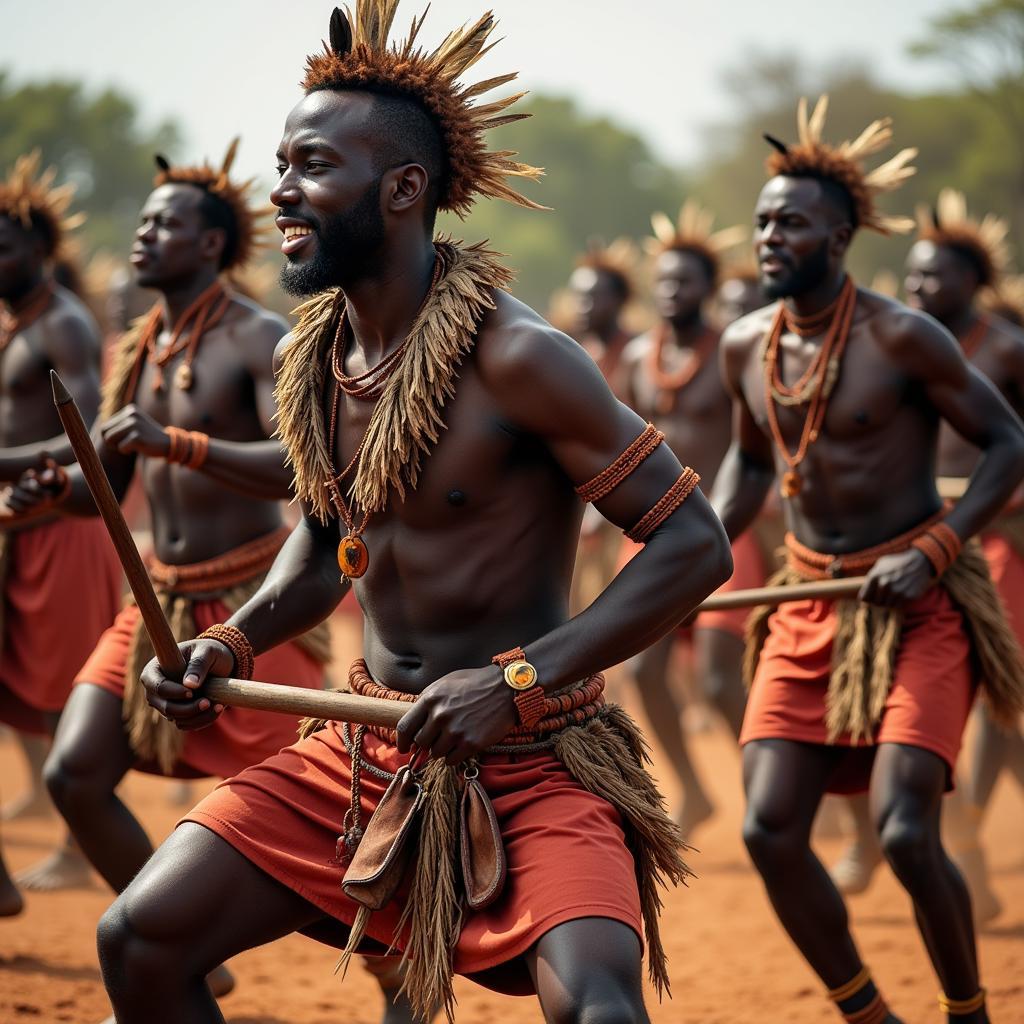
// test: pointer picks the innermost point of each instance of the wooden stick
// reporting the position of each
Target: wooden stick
(288, 700)
(952, 487)
(164, 645)
(823, 589)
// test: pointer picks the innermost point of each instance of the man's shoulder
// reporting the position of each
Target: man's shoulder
(1007, 338)
(744, 334)
(250, 321)
(896, 324)
(68, 320)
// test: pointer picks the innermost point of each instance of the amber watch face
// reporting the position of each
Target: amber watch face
(520, 675)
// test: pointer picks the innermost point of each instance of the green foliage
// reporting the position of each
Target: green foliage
(602, 181)
(95, 141)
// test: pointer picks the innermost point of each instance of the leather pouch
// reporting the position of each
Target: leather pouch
(383, 854)
(480, 847)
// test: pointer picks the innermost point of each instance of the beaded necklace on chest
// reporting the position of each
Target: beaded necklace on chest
(668, 384)
(815, 385)
(353, 554)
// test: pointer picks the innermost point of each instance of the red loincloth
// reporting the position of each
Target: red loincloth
(931, 695)
(1007, 568)
(239, 737)
(62, 590)
(567, 858)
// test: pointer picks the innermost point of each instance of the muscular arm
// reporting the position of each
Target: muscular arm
(72, 349)
(256, 468)
(747, 470)
(585, 429)
(975, 409)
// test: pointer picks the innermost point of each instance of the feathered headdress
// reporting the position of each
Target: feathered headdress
(692, 232)
(844, 165)
(250, 225)
(618, 260)
(1008, 302)
(983, 243)
(358, 57)
(31, 199)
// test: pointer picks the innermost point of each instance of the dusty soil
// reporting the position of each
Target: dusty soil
(730, 961)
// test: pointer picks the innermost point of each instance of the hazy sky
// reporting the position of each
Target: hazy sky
(222, 67)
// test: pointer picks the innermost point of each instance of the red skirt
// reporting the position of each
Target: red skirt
(62, 591)
(565, 848)
(931, 695)
(239, 737)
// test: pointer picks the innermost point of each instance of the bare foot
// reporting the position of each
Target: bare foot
(11, 903)
(34, 804)
(854, 871)
(696, 809)
(221, 982)
(65, 868)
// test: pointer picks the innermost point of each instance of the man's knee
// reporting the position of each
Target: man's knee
(597, 999)
(70, 783)
(771, 842)
(909, 844)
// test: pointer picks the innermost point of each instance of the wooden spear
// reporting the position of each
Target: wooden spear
(239, 693)
(828, 590)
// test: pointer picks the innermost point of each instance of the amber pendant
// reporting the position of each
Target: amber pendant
(791, 485)
(183, 377)
(353, 558)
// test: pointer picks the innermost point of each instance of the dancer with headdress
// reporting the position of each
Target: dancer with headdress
(188, 404)
(444, 439)
(955, 271)
(47, 628)
(840, 392)
(674, 381)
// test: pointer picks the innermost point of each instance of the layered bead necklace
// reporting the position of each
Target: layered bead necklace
(668, 384)
(815, 385)
(353, 555)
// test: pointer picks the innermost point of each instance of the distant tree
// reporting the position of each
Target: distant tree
(602, 180)
(95, 140)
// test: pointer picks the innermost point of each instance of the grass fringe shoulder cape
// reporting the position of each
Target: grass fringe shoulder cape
(867, 641)
(151, 736)
(607, 755)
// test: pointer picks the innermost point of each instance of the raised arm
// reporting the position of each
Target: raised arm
(71, 347)
(747, 470)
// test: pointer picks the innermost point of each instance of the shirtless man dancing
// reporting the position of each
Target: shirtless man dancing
(438, 429)
(841, 391)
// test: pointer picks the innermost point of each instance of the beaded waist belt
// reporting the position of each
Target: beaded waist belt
(227, 570)
(572, 706)
(817, 565)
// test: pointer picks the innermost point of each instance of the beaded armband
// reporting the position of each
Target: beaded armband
(666, 505)
(187, 447)
(237, 643)
(518, 673)
(628, 462)
(940, 545)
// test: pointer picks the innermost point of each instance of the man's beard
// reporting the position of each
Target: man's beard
(806, 276)
(346, 245)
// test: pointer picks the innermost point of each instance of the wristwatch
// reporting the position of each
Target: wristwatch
(519, 674)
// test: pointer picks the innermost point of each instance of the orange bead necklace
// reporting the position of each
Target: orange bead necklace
(819, 386)
(669, 384)
(353, 554)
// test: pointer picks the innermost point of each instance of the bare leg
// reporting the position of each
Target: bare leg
(196, 903)
(34, 803)
(852, 874)
(720, 671)
(589, 972)
(995, 749)
(390, 975)
(665, 717)
(906, 799)
(11, 902)
(784, 782)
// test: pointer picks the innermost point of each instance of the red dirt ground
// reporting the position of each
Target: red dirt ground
(730, 962)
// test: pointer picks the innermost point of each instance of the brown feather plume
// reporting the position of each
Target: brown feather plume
(29, 196)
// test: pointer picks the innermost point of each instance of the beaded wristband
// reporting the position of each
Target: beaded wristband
(608, 479)
(187, 447)
(940, 545)
(237, 643)
(666, 505)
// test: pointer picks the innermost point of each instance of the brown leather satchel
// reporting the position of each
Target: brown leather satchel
(382, 857)
(480, 847)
